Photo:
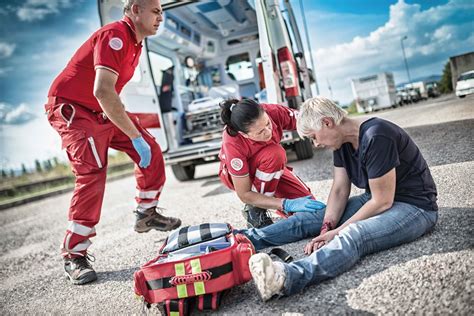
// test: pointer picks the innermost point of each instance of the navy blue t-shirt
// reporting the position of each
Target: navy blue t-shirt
(382, 147)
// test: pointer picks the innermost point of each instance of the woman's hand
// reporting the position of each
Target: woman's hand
(321, 240)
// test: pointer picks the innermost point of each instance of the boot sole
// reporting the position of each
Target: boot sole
(257, 269)
(88, 278)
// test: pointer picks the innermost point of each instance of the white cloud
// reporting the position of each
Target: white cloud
(33, 10)
(6, 49)
(90, 24)
(433, 36)
(10, 115)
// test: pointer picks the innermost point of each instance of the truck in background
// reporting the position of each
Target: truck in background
(460, 64)
(374, 92)
(205, 52)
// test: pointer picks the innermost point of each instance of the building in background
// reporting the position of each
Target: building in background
(374, 92)
(460, 64)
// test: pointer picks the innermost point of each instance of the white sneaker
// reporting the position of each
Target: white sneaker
(268, 276)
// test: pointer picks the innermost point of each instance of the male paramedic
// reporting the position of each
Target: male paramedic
(85, 109)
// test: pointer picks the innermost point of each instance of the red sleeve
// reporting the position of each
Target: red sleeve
(235, 159)
(110, 50)
(282, 115)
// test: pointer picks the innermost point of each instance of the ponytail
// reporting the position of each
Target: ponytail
(238, 115)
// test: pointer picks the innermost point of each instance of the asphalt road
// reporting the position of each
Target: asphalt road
(433, 275)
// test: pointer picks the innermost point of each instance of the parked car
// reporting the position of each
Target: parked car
(403, 97)
(465, 84)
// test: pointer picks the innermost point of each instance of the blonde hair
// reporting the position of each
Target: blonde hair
(313, 111)
(127, 4)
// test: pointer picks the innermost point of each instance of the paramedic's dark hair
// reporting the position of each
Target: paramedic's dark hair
(243, 114)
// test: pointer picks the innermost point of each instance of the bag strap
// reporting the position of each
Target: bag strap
(164, 283)
(282, 254)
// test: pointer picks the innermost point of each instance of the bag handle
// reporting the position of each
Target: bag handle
(282, 254)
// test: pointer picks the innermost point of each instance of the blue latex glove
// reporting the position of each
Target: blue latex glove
(143, 149)
(302, 204)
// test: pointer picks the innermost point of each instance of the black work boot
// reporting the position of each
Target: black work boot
(256, 217)
(79, 270)
(152, 219)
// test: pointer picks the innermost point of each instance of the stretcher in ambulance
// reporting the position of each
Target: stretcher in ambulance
(208, 51)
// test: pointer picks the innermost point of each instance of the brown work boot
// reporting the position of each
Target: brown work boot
(153, 219)
(79, 270)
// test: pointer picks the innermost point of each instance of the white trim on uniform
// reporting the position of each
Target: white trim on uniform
(148, 194)
(79, 229)
(94, 152)
(108, 68)
(265, 176)
(269, 193)
(81, 246)
(254, 189)
(145, 206)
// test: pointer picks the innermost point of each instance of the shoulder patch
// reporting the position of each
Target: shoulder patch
(236, 164)
(116, 43)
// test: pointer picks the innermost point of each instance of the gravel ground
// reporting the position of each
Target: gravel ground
(432, 275)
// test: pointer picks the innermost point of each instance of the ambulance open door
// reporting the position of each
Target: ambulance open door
(139, 94)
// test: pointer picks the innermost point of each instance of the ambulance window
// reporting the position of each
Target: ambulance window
(159, 64)
(171, 23)
(239, 67)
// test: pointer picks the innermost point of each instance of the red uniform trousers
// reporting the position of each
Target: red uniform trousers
(270, 175)
(87, 136)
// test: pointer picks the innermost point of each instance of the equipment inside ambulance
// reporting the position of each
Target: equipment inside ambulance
(206, 52)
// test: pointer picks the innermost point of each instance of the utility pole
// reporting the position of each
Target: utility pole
(309, 46)
(405, 59)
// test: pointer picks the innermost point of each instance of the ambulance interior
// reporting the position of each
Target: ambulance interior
(204, 52)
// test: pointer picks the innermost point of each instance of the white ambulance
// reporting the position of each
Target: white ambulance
(208, 51)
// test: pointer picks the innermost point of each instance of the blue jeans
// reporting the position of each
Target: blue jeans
(400, 224)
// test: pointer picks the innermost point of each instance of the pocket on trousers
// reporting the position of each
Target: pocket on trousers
(82, 152)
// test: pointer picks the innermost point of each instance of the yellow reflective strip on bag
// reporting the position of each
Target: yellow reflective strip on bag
(174, 313)
(196, 268)
(182, 290)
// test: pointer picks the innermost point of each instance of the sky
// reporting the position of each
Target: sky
(349, 39)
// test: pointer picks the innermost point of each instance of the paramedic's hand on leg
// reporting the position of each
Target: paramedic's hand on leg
(302, 204)
(143, 149)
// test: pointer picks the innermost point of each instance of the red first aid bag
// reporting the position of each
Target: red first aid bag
(194, 266)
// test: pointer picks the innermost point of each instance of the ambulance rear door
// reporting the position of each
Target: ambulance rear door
(139, 94)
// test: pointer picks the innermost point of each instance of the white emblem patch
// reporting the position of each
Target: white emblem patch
(236, 164)
(116, 43)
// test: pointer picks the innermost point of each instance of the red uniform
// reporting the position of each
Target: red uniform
(86, 133)
(263, 162)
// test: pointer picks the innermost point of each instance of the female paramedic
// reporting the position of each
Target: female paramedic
(253, 163)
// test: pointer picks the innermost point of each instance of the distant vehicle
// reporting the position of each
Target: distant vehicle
(403, 97)
(208, 51)
(414, 94)
(432, 90)
(465, 84)
(375, 92)
(459, 65)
